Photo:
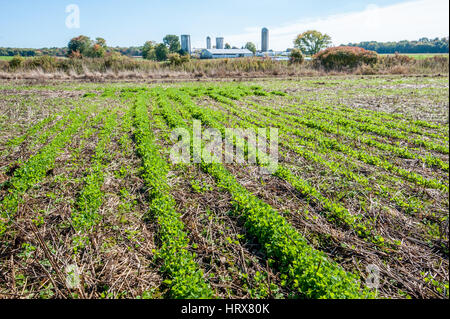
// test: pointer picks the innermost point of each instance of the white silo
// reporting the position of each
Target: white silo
(265, 40)
(219, 43)
(186, 43)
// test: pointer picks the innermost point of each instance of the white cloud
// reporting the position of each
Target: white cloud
(404, 21)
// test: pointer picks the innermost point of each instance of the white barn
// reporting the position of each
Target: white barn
(225, 53)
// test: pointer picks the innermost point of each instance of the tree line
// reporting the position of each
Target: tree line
(83, 46)
(62, 52)
(423, 45)
(308, 43)
(28, 52)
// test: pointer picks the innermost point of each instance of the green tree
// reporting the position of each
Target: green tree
(161, 52)
(96, 51)
(312, 41)
(82, 44)
(148, 51)
(227, 46)
(173, 43)
(251, 47)
(101, 42)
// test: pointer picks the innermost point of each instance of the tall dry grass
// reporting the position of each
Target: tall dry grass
(121, 67)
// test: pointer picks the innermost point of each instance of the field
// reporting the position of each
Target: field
(6, 58)
(91, 206)
(421, 56)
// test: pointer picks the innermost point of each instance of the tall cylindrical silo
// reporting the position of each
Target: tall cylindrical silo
(219, 43)
(186, 43)
(265, 40)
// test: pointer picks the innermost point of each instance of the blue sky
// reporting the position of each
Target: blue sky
(39, 23)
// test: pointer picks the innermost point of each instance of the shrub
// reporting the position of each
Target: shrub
(398, 69)
(45, 62)
(438, 64)
(16, 62)
(113, 61)
(395, 60)
(366, 70)
(296, 57)
(185, 58)
(343, 57)
(75, 55)
(71, 65)
(174, 59)
(4, 65)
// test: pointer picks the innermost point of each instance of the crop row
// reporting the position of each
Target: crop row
(376, 118)
(31, 131)
(382, 119)
(310, 152)
(347, 127)
(37, 136)
(327, 143)
(384, 131)
(89, 201)
(333, 211)
(186, 279)
(409, 204)
(397, 121)
(303, 268)
(323, 123)
(362, 123)
(387, 120)
(36, 168)
(284, 122)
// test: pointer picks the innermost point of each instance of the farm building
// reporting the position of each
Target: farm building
(225, 53)
(219, 43)
(186, 43)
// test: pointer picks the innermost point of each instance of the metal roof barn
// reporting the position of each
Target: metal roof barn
(226, 53)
